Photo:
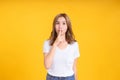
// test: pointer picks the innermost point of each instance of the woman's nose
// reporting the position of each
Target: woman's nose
(60, 27)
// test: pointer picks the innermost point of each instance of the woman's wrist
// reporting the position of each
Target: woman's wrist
(54, 44)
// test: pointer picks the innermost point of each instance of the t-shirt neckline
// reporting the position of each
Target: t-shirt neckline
(64, 48)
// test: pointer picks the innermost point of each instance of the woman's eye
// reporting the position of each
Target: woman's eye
(63, 23)
(57, 22)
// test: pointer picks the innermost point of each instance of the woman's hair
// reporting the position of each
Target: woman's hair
(69, 36)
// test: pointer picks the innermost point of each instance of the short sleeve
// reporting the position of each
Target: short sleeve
(77, 52)
(46, 46)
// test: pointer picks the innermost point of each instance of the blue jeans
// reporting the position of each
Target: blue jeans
(50, 77)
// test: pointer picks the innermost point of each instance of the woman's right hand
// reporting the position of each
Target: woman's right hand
(59, 38)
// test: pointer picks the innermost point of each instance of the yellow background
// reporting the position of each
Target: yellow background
(25, 25)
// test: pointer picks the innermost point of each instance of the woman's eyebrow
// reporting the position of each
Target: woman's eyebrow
(60, 21)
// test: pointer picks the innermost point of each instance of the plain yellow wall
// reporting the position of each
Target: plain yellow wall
(24, 25)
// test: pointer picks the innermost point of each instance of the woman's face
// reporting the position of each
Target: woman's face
(61, 24)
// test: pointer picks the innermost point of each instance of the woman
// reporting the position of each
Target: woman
(61, 50)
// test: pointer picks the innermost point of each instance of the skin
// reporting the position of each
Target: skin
(61, 28)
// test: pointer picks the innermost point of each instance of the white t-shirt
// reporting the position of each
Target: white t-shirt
(63, 60)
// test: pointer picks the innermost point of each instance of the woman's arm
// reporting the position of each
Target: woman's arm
(75, 69)
(48, 57)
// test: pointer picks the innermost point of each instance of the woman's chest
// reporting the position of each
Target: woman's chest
(64, 56)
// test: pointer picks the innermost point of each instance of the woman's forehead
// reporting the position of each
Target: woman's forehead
(61, 19)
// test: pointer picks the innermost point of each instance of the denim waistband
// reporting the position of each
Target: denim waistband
(50, 77)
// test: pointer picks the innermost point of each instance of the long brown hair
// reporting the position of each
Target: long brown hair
(69, 36)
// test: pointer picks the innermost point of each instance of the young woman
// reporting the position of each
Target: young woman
(61, 50)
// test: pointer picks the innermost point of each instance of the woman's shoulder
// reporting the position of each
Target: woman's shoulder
(75, 43)
(47, 42)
